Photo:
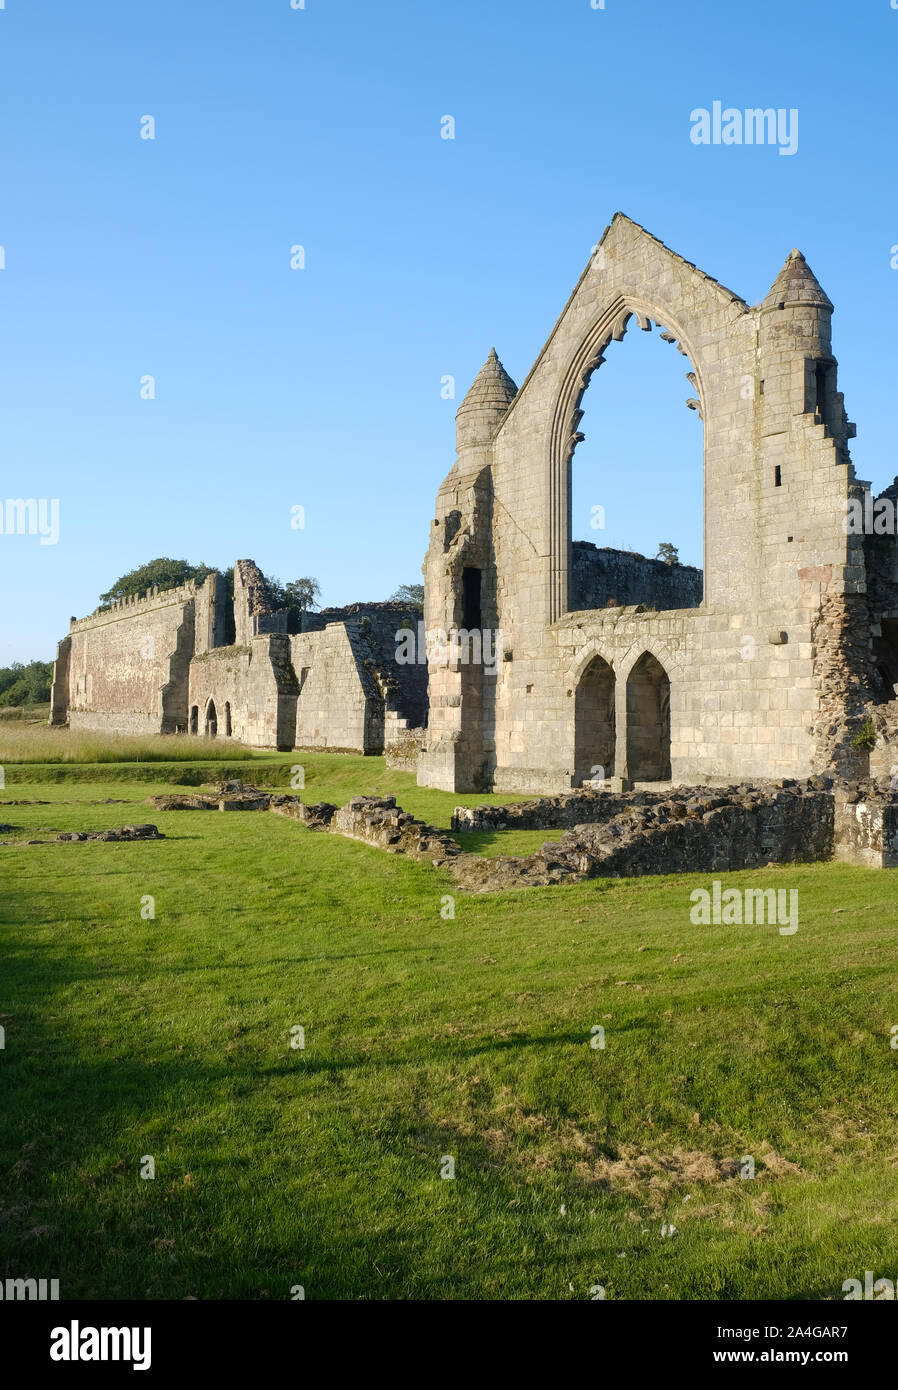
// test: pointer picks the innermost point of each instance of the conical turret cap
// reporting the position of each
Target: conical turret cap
(493, 388)
(796, 284)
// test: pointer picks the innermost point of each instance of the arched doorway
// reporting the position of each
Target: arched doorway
(594, 723)
(211, 720)
(194, 719)
(648, 721)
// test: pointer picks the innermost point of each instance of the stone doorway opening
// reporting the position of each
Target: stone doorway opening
(648, 721)
(194, 719)
(211, 720)
(594, 724)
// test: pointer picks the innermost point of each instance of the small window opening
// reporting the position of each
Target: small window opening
(470, 598)
(777, 476)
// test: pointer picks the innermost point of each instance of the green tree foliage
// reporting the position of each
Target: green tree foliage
(298, 596)
(412, 594)
(164, 573)
(668, 553)
(25, 685)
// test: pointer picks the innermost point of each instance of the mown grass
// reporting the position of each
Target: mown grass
(428, 1035)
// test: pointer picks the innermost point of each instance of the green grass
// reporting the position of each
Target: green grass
(427, 1037)
(37, 714)
(40, 744)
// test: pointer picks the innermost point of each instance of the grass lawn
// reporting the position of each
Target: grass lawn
(426, 1037)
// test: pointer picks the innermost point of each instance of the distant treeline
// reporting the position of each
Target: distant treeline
(25, 685)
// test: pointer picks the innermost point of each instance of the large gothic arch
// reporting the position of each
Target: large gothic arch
(609, 326)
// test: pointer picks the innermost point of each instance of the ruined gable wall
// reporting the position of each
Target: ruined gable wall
(373, 628)
(746, 678)
(333, 707)
(128, 666)
(715, 695)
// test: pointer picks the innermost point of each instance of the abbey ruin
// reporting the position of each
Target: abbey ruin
(766, 666)
(778, 660)
(179, 661)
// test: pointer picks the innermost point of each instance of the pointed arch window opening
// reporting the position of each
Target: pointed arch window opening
(597, 574)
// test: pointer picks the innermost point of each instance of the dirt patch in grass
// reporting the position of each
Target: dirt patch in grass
(633, 1171)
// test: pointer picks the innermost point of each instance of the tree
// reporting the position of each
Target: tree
(25, 685)
(162, 573)
(298, 596)
(668, 553)
(412, 594)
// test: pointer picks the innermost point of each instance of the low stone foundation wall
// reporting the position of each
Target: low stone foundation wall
(315, 815)
(613, 834)
(126, 834)
(693, 830)
(550, 812)
(232, 797)
(379, 821)
(866, 825)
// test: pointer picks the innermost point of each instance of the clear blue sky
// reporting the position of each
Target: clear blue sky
(321, 387)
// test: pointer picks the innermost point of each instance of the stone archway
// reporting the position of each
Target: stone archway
(648, 721)
(610, 326)
(594, 722)
(194, 719)
(211, 720)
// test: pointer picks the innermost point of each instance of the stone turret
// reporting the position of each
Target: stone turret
(797, 365)
(485, 406)
(460, 587)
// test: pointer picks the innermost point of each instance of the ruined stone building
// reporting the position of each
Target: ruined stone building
(766, 665)
(180, 661)
(779, 659)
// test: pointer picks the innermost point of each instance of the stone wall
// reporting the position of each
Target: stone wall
(59, 690)
(128, 666)
(547, 812)
(866, 825)
(606, 578)
(255, 613)
(338, 705)
(373, 629)
(379, 821)
(692, 831)
(249, 692)
(403, 746)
